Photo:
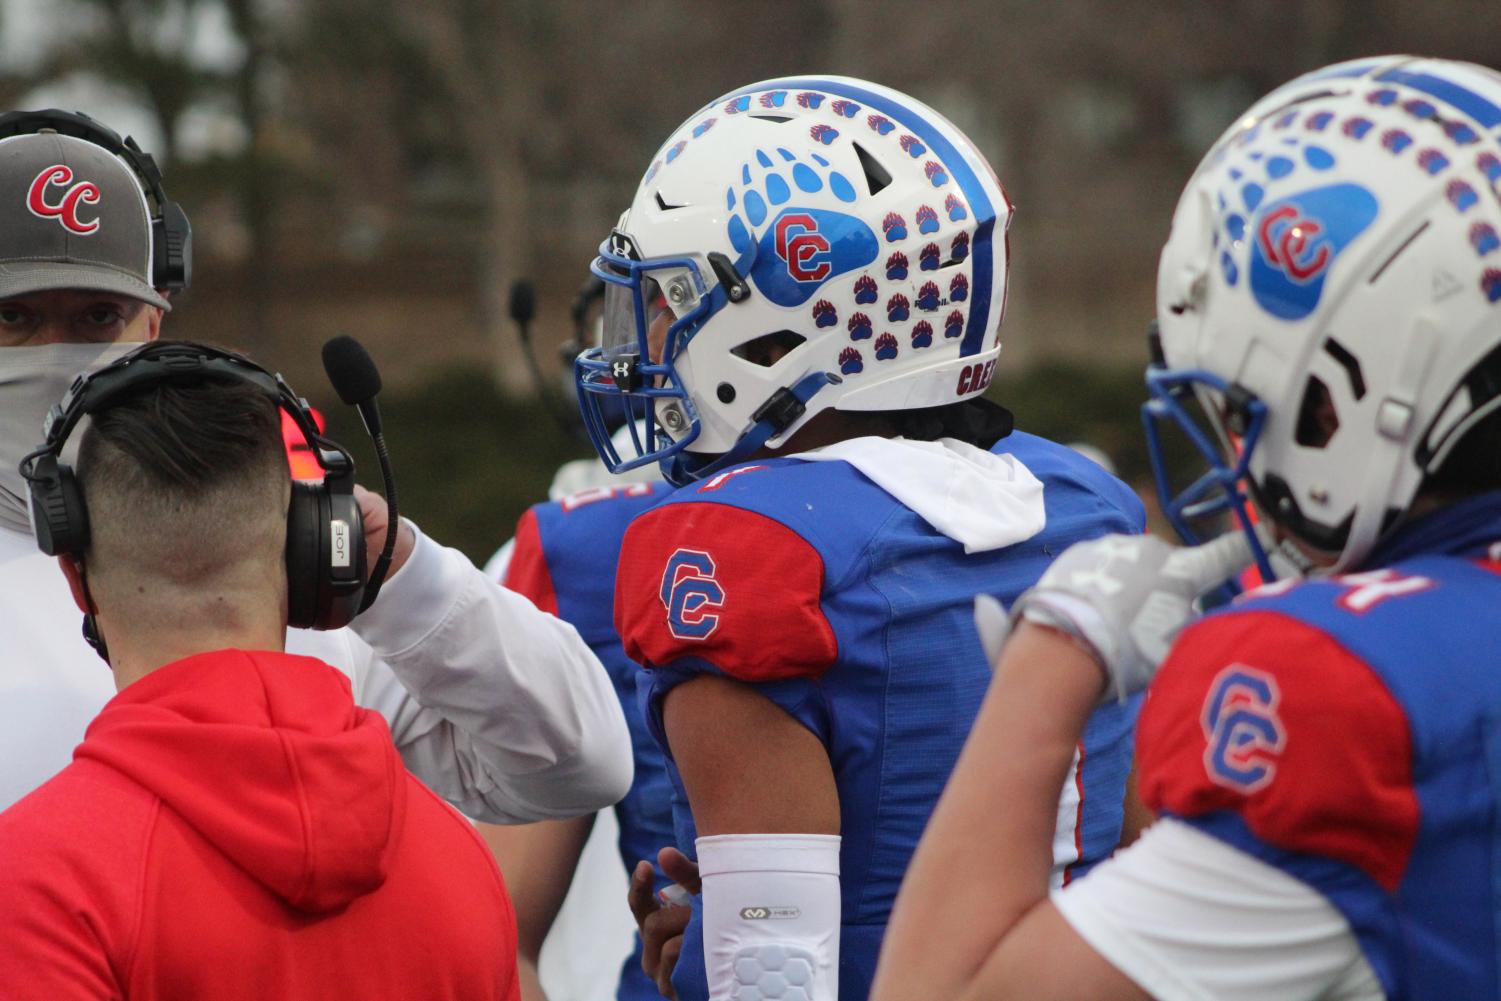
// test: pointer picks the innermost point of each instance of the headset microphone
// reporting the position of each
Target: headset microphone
(522, 310)
(355, 378)
(523, 306)
(591, 292)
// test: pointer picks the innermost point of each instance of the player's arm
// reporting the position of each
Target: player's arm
(67, 925)
(973, 917)
(538, 861)
(748, 767)
(498, 706)
(1183, 914)
(762, 792)
(724, 606)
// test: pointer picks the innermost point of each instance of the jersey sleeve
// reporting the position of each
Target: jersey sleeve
(528, 572)
(711, 586)
(1268, 733)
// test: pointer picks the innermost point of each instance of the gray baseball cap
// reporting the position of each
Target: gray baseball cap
(72, 216)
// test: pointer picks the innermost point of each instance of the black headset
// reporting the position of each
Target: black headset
(326, 581)
(171, 235)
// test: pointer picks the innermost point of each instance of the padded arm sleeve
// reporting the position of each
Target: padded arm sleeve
(771, 916)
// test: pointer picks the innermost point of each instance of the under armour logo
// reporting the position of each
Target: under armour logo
(623, 246)
(65, 209)
(1100, 579)
(623, 372)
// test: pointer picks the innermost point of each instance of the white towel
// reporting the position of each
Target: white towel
(977, 498)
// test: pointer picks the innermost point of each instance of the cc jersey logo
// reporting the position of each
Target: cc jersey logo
(1242, 729)
(691, 594)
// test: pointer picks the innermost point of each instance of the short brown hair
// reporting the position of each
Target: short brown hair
(185, 481)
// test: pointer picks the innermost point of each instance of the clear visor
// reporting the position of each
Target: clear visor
(622, 321)
(651, 307)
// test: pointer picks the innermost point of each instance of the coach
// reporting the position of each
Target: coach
(232, 825)
(499, 708)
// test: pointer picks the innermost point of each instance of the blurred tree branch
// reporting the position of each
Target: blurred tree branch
(485, 55)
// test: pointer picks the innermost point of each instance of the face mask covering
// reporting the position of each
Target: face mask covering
(32, 379)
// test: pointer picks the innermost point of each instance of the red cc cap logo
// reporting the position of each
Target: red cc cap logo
(65, 210)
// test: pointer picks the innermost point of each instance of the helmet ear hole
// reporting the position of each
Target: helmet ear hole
(1317, 418)
(768, 349)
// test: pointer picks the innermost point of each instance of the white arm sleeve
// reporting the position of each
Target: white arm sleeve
(500, 708)
(771, 916)
(1191, 918)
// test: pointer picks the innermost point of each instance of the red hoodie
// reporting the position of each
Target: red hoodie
(233, 826)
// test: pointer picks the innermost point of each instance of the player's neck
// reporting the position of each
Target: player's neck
(831, 427)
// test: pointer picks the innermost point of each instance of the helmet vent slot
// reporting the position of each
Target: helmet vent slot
(775, 119)
(768, 349)
(1397, 253)
(1349, 363)
(877, 177)
(1317, 418)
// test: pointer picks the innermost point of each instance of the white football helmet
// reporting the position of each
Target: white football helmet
(849, 223)
(1331, 291)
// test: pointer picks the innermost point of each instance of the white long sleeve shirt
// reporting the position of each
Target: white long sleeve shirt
(1191, 918)
(498, 707)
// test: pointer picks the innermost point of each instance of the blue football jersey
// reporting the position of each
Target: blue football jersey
(854, 615)
(564, 561)
(1348, 731)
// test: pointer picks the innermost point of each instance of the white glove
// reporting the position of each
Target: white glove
(1126, 597)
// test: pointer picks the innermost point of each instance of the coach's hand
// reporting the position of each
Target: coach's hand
(373, 513)
(662, 923)
(1125, 598)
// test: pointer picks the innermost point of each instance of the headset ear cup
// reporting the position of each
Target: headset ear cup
(325, 554)
(305, 520)
(58, 515)
(172, 249)
(342, 586)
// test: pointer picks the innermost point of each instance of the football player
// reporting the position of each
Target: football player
(831, 260)
(1323, 753)
(562, 557)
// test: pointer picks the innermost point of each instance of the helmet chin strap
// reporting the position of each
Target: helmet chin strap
(773, 417)
(1385, 468)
